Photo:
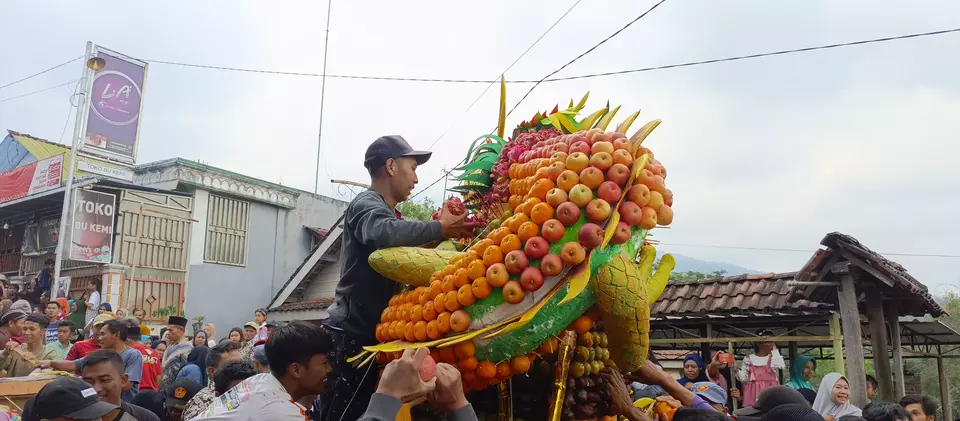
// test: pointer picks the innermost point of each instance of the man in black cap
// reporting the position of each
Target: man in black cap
(178, 347)
(769, 399)
(11, 325)
(178, 395)
(372, 222)
(68, 398)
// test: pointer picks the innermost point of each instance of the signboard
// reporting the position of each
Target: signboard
(63, 286)
(101, 169)
(47, 232)
(113, 112)
(30, 179)
(91, 233)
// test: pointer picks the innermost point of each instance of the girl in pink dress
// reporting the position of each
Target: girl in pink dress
(759, 370)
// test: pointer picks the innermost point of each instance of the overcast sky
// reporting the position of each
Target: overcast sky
(768, 153)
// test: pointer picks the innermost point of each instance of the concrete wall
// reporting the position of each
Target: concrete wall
(294, 239)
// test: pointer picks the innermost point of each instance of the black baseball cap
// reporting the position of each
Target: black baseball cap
(770, 398)
(181, 391)
(391, 147)
(69, 397)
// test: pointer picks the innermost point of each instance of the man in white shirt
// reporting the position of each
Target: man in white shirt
(93, 299)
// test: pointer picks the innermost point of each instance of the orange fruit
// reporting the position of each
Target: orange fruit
(492, 255)
(416, 294)
(435, 289)
(541, 174)
(541, 213)
(443, 322)
(514, 201)
(549, 346)
(447, 284)
(429, 312)
(408, 332)
(465, 295)
(495, 236)
(524, 208)
(459, 321)
(497, 274)
(520, 364)
(379, 332)
(468, 378)
(383, 358)
(450, 302)
(460, 278)
(481, 246)
(468, 364)
(447, 355)
(476, 269)
(416, 313)
(465, 349)
(583, 324)
(510, 243)
(420, 331)
(541, 187)
(503, 371)
(481, 289)
(528, 229)
(433, 332)
(438, 303)
(487, 370)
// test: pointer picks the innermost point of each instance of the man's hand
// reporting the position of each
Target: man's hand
(401, 378)
(829, 418)
(11, 346)
(649, 373)
(44, 364)
(620, 401)
(735, 394)
(448, 395)
(455, 226)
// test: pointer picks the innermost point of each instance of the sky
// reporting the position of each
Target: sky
(766, 153)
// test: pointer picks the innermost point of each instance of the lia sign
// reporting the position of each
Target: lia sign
(116, 99)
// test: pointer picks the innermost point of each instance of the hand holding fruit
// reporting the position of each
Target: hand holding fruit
(401, 377)
(448, 395)
(455, 225)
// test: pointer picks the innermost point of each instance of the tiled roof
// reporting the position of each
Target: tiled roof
(321, 233)
(731, 295)
(312, 304)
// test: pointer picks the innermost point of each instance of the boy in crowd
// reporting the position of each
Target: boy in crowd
(113, 337)
(17, 360)
(11, 325)
(150, 357)
(871, 387)
(231, 374)
(51, 310)
(104, 370)
(86, 346)
(223, 353)
(921, 408)
(62, 344)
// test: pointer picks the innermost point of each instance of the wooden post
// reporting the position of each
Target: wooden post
(705, 347)
(852, 338)
(733, 374)
(837, 336)
(878, 340)
(893, 320)
(944, 390)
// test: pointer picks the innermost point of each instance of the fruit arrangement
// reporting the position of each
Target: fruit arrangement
(586, 395)
(570, 206)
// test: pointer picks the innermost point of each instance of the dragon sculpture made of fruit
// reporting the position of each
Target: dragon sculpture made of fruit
(570, 206)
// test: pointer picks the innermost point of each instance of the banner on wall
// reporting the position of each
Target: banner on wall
(30, 179)
(113, 112)
(91, 234)
(47, 232)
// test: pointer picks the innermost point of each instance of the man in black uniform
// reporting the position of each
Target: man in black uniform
(370, 223)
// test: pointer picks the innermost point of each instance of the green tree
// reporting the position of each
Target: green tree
(422, 211)
(693, 276)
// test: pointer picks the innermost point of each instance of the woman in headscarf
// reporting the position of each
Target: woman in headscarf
(121, 313)
(692, 371)
(77, 316)
(833, 398)
(64, 309)
(160, 346)
(196, 365)
(801, 372)
(200, 340)
(105, 308)
(211, 334)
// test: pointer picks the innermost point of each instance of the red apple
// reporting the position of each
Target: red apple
(513, 292)
(580, 195)
(567, 180)
(592, 133)
(610, 192)
(639, 194)
(631, 213)
(656, 200)
(598, 210)
(621, 156)
(568, 213)
(601, 160)
(591, 177)
(623, 144)
(551, 265)
(577, 161)
(553, 229)
(616, 135)
(572, 253)
(658, 184)
(646, 178)
(649, 220)
(622, 233)
(602, 137)
(516, 261)
(579, 137)
(556, 196)
(619, 174)
(665, 215)
(555, 169)
(536, 247)
(580, 147)
(562, 147)
(667, 197)
(591, 235)
(531, 279)
(601, 146)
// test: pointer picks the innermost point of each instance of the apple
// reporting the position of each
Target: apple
(602, 137)
(658, 184)
(551, 264)
(664, 215)
(580, 195)
(579, 137)
(631, 213)
(536, 247)
(649, 220)
(621, 234)
(516, 261)
(656, 200)
(591, 235)
(553, 230)
(601, 160)
(556, 196)
(591, 177)
(531, 279)
(567, 180)
(639, 194)
(643, 150)
(562, 147)
(555, 169)
(610, 192)
(601, 146)
(598, 210)
(568, 213)
(623, 144)
(577, 161)
(619, 174)
(513, 292)
(668, 197)
(573, 253)
(616, 135)
(592, 133)
(621, 156)
(646, 178)
(559, 156)
(579, 147)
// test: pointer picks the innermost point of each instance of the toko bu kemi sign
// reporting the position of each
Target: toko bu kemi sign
(116, 100)
(91, 233)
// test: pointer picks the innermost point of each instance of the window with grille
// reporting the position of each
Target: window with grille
(227, 223)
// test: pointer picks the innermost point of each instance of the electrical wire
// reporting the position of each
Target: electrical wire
(42, 72)
(39, 91)
(446, 173)
(945, 256)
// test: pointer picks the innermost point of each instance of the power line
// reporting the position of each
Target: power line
(42, 72)
(39, 91)
(504, 72)
(945, 256)
(445, 173)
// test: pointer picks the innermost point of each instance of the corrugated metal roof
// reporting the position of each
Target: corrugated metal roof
(732, 294)
(39, 148)
(312, 304)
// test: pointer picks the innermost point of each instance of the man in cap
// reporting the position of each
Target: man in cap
(259, 359)
(371, 222)
(68, 398)
(86, 346)
(249, 333)
(178, 347)
(178, 395)
(19, 360)
(768, 399)
(150, 357)
(11, 325)
(713, 394)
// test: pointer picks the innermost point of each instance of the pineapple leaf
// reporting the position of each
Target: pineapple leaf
(605, 121)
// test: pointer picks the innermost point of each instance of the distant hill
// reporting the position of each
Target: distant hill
(692, 264)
